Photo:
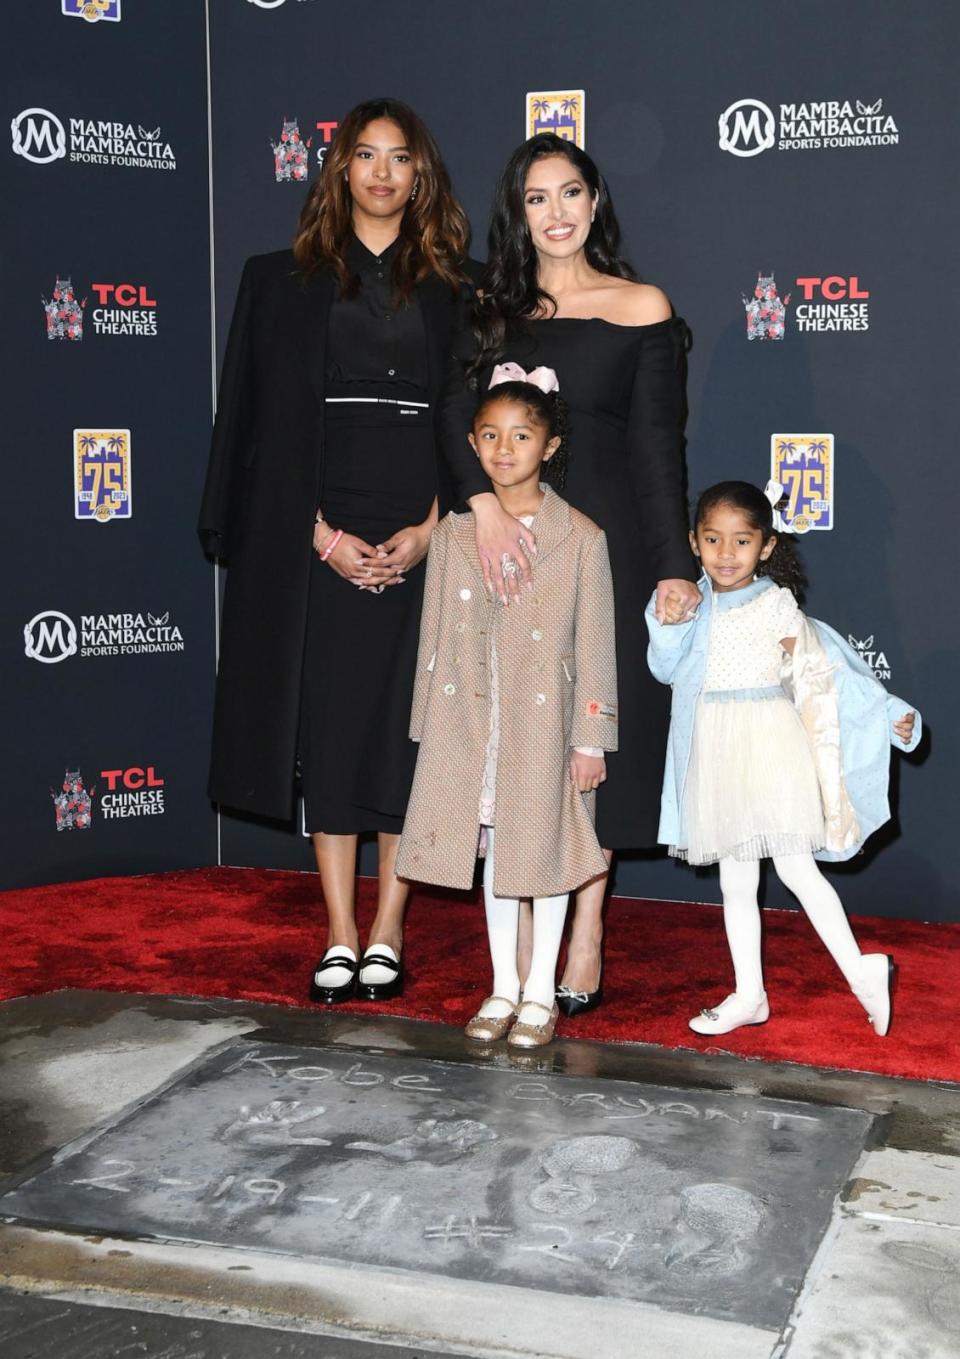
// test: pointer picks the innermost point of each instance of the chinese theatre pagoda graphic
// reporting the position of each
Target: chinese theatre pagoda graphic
(766, 310)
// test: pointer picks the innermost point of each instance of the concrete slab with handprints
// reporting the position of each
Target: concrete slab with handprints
(695, 1201)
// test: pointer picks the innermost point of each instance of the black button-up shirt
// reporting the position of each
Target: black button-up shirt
(376, 346)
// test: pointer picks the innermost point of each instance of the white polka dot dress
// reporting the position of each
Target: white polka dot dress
(751, 790)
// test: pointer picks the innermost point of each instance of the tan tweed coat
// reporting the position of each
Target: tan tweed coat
(558, 689)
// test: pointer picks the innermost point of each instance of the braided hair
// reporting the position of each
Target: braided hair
(783, 566)
(546, 409)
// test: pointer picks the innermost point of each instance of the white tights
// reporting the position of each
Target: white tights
(503, 914)
(741, 917)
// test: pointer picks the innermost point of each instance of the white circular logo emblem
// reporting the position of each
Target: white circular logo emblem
(38, 136)
(50, 637)
(267, 4)
(747, 128)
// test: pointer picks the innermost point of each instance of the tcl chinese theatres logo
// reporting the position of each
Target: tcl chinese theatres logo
(132, 792)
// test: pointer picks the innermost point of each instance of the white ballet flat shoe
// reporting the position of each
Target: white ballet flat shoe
(874, 989)
(732, 1013)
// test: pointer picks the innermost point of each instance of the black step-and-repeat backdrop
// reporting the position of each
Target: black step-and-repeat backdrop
(107, 606)
(785, 172)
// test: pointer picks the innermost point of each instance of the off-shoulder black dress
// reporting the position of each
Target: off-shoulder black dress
(625, 390)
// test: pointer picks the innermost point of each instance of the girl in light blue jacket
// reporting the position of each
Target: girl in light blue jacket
(779, 746)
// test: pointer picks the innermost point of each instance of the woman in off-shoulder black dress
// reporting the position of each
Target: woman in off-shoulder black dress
(556, 293)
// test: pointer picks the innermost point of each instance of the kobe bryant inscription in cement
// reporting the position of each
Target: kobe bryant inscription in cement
(692, 1200)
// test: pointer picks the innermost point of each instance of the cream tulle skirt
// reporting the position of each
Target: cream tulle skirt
(751, 789)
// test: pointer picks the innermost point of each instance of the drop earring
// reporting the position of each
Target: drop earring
(413, 192)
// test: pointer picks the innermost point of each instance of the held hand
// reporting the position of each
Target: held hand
(904, 728)
(674, 609)
(504, 546)
(587, 771)
(677, 601)
(400, 553)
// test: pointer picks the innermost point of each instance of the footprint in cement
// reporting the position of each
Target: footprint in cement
(570, 1167)
(715, 1221)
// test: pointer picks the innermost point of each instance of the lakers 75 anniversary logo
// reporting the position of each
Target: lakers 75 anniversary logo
(558, 111)
(92, 10)
(803, 465)
(101, 474)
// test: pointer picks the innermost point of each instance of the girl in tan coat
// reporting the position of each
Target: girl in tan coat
(514, 707)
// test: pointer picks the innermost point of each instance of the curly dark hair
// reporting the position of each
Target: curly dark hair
(510, 290)
(783, 566)
(548, 410)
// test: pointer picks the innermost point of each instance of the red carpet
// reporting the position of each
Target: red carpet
(253, 935)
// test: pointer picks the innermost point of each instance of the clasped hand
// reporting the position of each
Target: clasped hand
(375, 566)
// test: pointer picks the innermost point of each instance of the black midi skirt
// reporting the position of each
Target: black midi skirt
(356, 757)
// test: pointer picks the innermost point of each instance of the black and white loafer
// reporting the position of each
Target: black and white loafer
(335, 976)
(381, 974)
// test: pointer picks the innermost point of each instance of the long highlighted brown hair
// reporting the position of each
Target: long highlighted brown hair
(434, 234)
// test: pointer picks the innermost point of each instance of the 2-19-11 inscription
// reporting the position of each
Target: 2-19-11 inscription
(694, 1200)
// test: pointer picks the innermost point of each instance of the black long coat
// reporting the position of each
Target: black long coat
(264, 483)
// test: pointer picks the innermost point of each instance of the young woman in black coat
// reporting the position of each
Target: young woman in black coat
(323, 488)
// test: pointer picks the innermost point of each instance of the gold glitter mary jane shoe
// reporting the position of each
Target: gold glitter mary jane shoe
(491, 1028)
(527, 1035)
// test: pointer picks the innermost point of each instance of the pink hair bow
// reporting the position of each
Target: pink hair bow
(544, 378)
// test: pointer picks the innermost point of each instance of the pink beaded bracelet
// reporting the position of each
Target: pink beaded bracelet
(334, 539)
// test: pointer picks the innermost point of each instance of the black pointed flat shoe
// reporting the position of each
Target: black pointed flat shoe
(380, 956)
(337, 962)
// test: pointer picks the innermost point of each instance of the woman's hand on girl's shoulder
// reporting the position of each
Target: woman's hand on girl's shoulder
(505, 548)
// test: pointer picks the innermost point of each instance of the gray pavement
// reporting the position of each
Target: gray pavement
(188, 1179)
(33, 1327)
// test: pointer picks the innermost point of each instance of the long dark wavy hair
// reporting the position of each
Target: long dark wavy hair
(547, 410)
(783, 566)
(434, 234)
(511, 290)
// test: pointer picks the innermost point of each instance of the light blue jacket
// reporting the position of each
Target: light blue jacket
(677, 656)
